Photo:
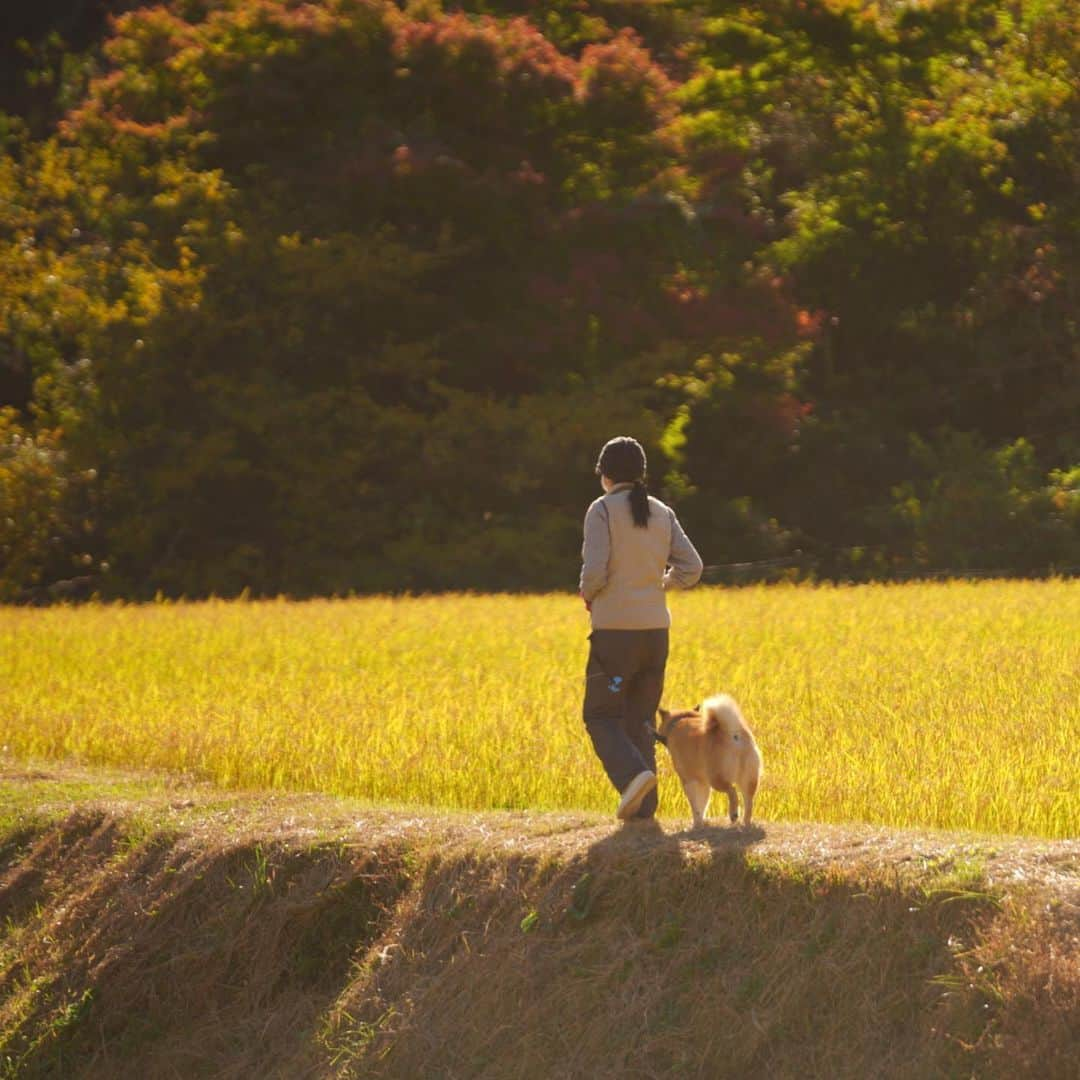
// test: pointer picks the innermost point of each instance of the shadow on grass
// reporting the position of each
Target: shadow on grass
(652, 834)
(669, 953)
(140, 955)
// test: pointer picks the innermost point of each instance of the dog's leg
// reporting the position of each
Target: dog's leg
(697, 794)
(732, 798)
(748, 799)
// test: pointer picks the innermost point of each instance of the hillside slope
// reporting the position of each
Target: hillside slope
(150, 927)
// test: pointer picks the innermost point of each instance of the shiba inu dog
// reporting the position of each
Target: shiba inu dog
(711, 747)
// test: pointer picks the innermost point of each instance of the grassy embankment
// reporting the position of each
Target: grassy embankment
(944, 706)
(150, 929)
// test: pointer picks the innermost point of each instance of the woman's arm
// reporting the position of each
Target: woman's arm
(595, 552)
(684, 562)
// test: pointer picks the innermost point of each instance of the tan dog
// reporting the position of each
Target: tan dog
(711, 747)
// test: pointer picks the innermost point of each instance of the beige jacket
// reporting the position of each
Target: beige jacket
(625, 570)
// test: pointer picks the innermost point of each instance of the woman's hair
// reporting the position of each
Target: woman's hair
(622, 460)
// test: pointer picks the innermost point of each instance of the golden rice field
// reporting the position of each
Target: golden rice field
(953, 705)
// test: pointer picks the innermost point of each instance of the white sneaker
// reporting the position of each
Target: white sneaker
(635, 792)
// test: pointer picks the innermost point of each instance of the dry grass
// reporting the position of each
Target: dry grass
(186, 933)
(944, 706)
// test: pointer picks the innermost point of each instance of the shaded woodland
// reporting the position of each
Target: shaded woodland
(339, 296)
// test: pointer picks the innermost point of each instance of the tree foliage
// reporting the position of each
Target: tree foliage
(345, 295)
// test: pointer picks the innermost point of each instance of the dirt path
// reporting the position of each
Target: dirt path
(1002, 862)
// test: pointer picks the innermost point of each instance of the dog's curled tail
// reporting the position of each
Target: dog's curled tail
(721, 713)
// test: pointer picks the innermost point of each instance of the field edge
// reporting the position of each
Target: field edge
(151, 926)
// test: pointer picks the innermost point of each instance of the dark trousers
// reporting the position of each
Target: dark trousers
(624, 679)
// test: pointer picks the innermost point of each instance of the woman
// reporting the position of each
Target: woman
(634, 549)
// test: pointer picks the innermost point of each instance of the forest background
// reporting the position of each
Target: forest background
(338, 296)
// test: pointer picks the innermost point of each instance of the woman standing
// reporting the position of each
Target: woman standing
(634, 549)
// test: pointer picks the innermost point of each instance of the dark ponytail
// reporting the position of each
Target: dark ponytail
(639, 503)
(622, 461)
